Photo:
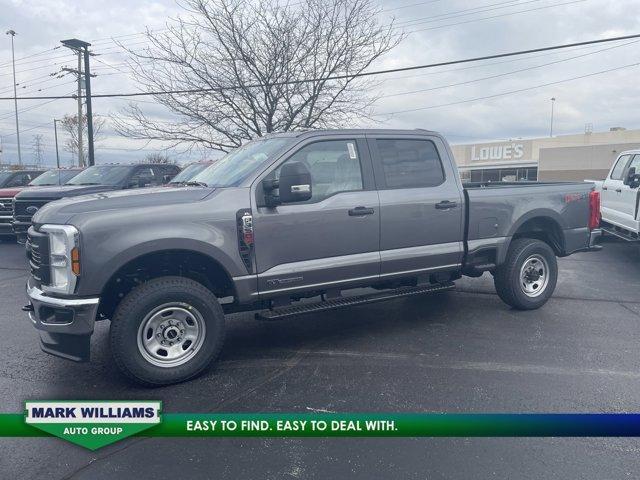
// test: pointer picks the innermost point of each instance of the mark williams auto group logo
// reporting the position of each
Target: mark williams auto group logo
(93, 424)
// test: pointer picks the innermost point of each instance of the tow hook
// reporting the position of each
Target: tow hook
(28, 308)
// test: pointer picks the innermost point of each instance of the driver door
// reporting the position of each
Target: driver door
(628, 205)
(331, 240)
(612, 205)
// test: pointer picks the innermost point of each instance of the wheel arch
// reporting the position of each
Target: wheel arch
(544, 225)
(182, 262)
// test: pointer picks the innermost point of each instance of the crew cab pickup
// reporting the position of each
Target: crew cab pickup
(620, 196)
(98, 178)
(56, 176)
(284, 225)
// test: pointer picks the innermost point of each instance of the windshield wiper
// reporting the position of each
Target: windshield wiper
(87, 183)
(196, 184)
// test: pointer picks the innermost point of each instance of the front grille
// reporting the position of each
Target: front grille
(23, 210)
(5, 206)
(38, 255)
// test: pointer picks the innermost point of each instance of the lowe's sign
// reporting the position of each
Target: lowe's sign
(509, 151)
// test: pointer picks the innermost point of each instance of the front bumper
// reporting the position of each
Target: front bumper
(65, 324)
(20, 230)
(5, 225)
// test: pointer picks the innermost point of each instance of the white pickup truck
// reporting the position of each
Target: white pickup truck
(619, 197)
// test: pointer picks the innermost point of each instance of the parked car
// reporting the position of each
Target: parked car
(282, 218)
(188, 173)
(7, 193)
(18, 178)
(619, 192)
(98, 178)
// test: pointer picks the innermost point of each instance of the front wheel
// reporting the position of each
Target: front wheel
(528, 276)
(166, 331)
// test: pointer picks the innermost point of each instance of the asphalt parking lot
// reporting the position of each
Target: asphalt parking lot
(462, 351)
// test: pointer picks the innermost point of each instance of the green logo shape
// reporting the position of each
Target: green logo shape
(92, 424)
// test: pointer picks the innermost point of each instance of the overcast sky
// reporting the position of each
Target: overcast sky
(477, 108)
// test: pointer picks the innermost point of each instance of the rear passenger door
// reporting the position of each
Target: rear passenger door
(421, 205)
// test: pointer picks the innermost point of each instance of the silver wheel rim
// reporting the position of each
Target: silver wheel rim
(171, 334)
(534, 275)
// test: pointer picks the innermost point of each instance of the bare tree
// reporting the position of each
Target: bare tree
(236, 69)
(70, 126)
(38, 149)
(157, 157)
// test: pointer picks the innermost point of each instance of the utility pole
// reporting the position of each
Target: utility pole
(80, 118)
(15, 94)
(553, 101)
(82, 49)
(55, 132)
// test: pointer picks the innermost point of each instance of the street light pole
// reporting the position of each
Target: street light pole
(553, 101)
(15, 94)
(55, 132)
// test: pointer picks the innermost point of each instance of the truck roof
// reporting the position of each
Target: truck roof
(354, 131)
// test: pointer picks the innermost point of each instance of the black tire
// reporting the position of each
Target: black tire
(144, 299)
(507, 277)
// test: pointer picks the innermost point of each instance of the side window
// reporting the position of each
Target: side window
(143, 177)
(635, 163)
(18, 180)
(410, 163)
(163, 174)
(334, 166)
(618, 170)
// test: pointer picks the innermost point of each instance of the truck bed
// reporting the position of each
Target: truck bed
(496, 212)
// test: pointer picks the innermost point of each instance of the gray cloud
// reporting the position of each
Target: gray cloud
(606, 100)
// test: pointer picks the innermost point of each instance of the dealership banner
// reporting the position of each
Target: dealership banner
(94, 424)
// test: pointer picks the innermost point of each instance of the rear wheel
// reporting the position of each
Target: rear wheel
(528, 276)
(166, 331)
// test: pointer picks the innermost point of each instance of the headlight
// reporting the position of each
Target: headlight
(64, 258)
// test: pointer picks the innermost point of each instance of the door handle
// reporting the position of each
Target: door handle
(619, 190)
(361, 211)
(446, 205)
(605, 188)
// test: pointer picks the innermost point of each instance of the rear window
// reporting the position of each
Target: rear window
(618, 170)
(410, 163)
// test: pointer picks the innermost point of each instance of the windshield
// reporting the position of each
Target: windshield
(236, 166)
(101, 175)
(54, 177)
(189, 172)
(4, 177)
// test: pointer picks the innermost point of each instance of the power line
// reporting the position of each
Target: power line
(412, 5)
(462, 13)
(495, 16)
(504, 74)
(30, 56)
(501, 94)
(344, 76)
(483, 65)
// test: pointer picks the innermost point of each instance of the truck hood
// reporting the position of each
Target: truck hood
(62, 210)
(62, 191)
(10, 192)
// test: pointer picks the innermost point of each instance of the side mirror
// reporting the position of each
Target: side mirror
(294, 183)
(166, 178)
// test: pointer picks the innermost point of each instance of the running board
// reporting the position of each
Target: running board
(620, 232)
(286, 312)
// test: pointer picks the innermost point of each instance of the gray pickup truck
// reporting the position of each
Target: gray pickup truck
(286, 225)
